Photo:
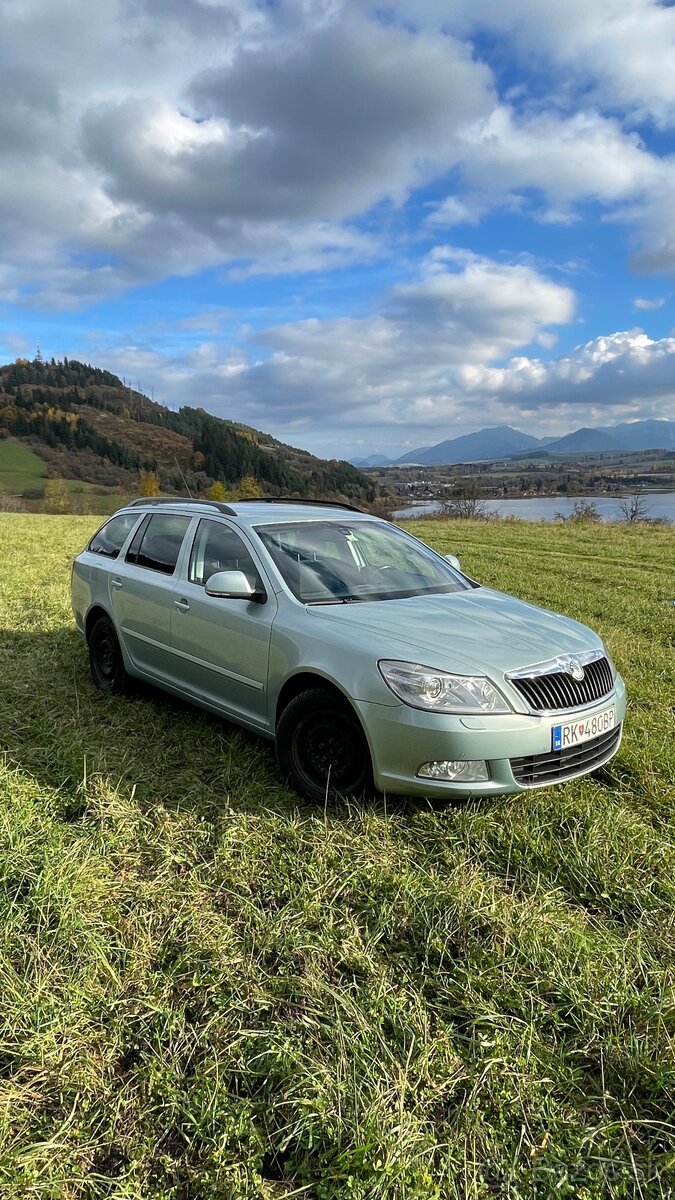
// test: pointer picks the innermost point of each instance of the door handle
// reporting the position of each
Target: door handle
(182, 605)
(116, 583)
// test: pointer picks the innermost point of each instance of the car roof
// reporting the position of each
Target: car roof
(253, 512)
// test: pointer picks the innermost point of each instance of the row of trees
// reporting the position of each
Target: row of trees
(61, 374)
(58, 428)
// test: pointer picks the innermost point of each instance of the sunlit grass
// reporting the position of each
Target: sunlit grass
(19, 467)
(211, 990)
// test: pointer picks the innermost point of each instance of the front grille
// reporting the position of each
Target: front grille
(557, 689)
(538, 769)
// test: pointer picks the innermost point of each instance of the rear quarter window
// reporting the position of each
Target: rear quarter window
(112, 536)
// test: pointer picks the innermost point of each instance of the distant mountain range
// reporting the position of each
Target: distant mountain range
(501, 441)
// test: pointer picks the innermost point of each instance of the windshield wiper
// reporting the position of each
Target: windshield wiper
(336, 600)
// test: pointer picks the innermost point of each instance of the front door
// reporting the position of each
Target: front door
(221, 646)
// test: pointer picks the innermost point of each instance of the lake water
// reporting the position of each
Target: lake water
(544, 508)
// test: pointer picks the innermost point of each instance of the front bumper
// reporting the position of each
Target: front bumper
(402, 738)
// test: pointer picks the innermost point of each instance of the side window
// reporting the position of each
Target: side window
(218, 548)
(110, 539)
(157, 545)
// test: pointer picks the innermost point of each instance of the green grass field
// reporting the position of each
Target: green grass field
(19, 467)
(211, 990)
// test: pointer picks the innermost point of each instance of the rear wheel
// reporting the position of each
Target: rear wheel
(321, 747)
(105, 658)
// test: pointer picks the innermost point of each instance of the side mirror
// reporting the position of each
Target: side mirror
(453, 560)
(232, 584)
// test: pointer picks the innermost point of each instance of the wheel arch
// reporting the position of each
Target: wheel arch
(95, 613)
(308, 680)
(303, 681)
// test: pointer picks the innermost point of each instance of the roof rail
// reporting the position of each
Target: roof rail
(231, 512)
(151, 500)
(297, 500)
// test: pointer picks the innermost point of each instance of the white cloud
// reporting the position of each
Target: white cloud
(146, 138)
(576, 158)
(618, 52)
(546, 165)
(623, 376)
(159, 138)
(314, 128)
(649, 305)
(617, 376)
(653, 216)
(400, 368)
(438, 360)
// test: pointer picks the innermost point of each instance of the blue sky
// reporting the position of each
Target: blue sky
(360, 228)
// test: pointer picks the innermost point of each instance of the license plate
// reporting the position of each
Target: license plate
(573, 733)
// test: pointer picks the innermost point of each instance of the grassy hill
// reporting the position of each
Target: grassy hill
(20, 468)
(213, 990)
(85, 424)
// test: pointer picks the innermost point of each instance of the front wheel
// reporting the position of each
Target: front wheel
(321, 747)
(105, 658)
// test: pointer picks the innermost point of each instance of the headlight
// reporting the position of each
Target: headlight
(438, 691)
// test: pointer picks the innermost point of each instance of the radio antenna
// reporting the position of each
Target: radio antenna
(184, 479)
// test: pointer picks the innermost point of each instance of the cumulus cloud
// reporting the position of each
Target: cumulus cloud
(546, 166)
(152, 138)
(316, 128)
(257, 147)
(382, 375)
(620, 52)
(619, 375)
(393, 391)
(147, 139)
(585, 155)
(400, 367)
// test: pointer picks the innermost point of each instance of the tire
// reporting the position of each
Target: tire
(105, 658)
(321, 747)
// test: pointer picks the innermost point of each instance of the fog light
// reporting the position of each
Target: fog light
(474, 770)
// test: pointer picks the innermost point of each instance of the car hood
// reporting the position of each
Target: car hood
(479, 631)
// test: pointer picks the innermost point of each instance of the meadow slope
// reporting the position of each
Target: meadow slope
(214, 991)
(19, 467)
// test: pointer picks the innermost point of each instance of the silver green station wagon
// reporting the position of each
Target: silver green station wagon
(367, 657)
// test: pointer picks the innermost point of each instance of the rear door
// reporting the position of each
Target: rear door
(221, 646)
(141, 591)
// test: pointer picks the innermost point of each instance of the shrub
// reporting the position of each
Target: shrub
(584, 512)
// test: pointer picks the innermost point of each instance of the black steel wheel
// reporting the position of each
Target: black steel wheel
(105, 658)
(321, 747)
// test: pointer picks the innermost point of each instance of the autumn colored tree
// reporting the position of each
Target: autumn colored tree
(148, 483)
(248, 488)
(56, 496)
(215, 492)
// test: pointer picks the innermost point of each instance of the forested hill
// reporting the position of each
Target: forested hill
(87, 424)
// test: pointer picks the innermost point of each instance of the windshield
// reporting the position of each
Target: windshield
(331, 562)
